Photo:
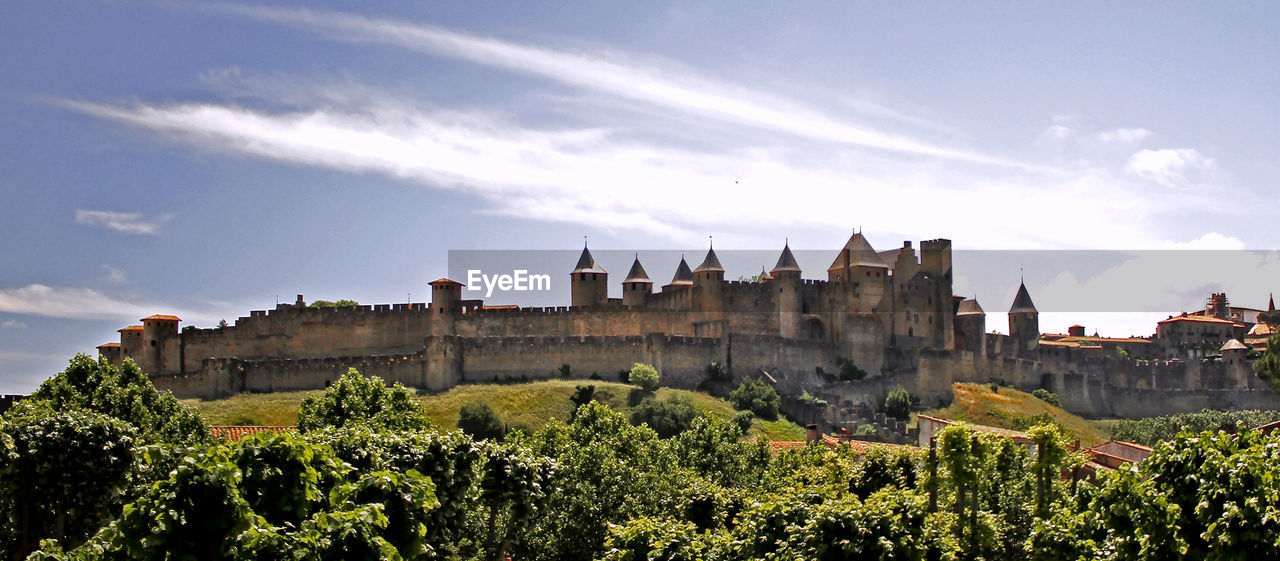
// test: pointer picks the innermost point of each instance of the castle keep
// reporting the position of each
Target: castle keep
(890, 314)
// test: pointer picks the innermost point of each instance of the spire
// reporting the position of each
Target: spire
(855, 253)
(764, 275)
(683, 274)
(1022, 302)
(637, 274)
(786, 261)
(1271, 303)
(710, 264)
(587, 263)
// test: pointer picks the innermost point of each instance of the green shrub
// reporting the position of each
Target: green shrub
(849, 371)
(644, 376)
(743, 420)
(898, 404)
(481, 422)
(667, 417)
(717, 371)
(754, 395)
(1047, 397)
(355, 399)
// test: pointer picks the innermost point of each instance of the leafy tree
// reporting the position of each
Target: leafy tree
(898, 404)
(668, 417)
(62, 472)
(284, 478)
(889, 525)
(713, 448)
(406, 499)
(515, 484)
(644, 376)
(654, 539)
(355, 399)
(849, 372)
(754, 395)
(582, 395)
(1047, 397)
(123, 393)
(481, 422)
(334, 304)
(882, 467)
(744, 420)
(1268, 367)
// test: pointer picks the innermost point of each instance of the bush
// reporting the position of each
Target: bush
(667, 417)
(898, 404)
(355, 399)
(758, 397)
(1047, 397)
(481, 422)
(849, 371)
(717, 371)
(644, 376)
(744, 419)
(564, 371)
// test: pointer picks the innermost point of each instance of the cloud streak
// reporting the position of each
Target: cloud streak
(615, 75)
(1168, 166)
(86, 304)
(123, 222)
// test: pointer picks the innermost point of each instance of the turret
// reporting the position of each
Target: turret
(786, 279)
(971, 327)
(859, 267)
(160, 345)
(787, 267)
(637, 287)
(709, 279)
(589, 283)
(446, 294)
(682, 279)
(1024, 323)
(1235, 359)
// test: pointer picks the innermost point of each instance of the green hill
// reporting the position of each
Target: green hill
(1008, 408)
(530, 404)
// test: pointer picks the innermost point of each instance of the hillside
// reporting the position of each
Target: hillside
(1009, 408)
(531, 404)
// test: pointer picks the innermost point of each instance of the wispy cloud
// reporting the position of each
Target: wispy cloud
(86, 304)
(1124, 136)
(1168, 166)
(13, 324)
(124, 222)
(618, 75)
(114, 275)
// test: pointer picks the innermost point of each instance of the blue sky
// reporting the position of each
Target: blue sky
(201, 159)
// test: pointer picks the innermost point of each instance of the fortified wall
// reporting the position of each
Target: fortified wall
(890, 314)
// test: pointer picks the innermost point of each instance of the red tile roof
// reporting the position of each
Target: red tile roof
(108, 345)
(1200, 319)
(161, 317)
(131, 328)
(1009, 433)
(233, 433)
(444, 280)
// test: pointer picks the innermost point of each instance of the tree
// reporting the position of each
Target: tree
(1268, 367)
(355, 399)
(667, 417)
(644, 376)
(754, 395)
(514, 486)
(1047, 397)
(898, 404)
(285, 479)
(849, 372)
(718, 372)
(481, 422)
(123, 393)
(582, 395)
(334, 304)
(62, 472)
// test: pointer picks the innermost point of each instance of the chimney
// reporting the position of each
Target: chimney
(300, 303)
(811, 433)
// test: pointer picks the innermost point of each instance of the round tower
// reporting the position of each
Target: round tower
(709, 279)
(589, 283)
(446, 296)
(786, 282)
(159, 332)
(971, 327)
(1024, 324)
(637, 287)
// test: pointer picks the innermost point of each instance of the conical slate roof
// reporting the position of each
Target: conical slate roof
(1271, 303)
(711, 263)
(1022, 302)
(969, 306)
(587, 263)
(786, 261)
(683, 274)
(859, 252)
(637, 274)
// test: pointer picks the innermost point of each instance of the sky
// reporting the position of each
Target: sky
(207, 159)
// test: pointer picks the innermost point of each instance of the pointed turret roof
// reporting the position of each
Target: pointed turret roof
(969, 306)
(1022, 302)
(786, 261)
(1234, 345)
(764, 275)
(587, 263)
(860, 254)
(1271, 303)
(637, 274)
(711, 263)
(683, 274)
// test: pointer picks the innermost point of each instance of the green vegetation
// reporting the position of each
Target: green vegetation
(1014, 409)
(667, 417)
(357, 399)
(644, 376)
(1268, 367)
(897, 404)
(1151, 430)
(849, 371)
(334, 304)
(603, 488)
(479, 421)
(1047, 397)
(754, 395)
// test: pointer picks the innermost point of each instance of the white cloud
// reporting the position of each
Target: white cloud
(1058, 132)
(1124, 136)
(1211, 240)
(114, 275)
(124, 222)
(13, 324)
(88, 304)
(1168, 166)
(616, 74)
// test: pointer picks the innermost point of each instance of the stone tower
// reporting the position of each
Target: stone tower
(637, 287)
(786, 281)
(588, 282)
(971, 327)
(1024, 324)
(682, 279)
(160, 352)
(709, 280)
(862, 273)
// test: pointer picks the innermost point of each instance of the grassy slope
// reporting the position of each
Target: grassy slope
(976, 403)
(531, 404)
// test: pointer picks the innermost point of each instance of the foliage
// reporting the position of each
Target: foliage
(333, 304)
(1271, 317)
(62, 472)
(883, 467)
(668, 416)
(123, 393)
(355, 399)
(1268, 367)
(645, 376)
(479, 421)
(1047, 397)
(653, 539)
(406, 499)
(897, 404)
(582, 395)
(515, 484)
(564, 371)
(718, 372)
(743, 420)
(849, 372)
(1151, 430)
(754, 395)
(284, 478)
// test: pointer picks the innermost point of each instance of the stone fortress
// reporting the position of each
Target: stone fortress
(890, 315)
